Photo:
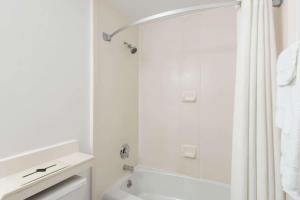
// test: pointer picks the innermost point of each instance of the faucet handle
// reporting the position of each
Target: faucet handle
(124, 152)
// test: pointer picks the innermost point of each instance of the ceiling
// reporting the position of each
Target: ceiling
(136, 9)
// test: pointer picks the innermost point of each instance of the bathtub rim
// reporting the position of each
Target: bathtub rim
(115, 192)
(142, 168)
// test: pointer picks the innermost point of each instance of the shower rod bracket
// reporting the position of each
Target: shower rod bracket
(108, 37)
(277, 3)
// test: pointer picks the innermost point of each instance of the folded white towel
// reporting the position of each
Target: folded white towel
(287, 65)
(288, 118)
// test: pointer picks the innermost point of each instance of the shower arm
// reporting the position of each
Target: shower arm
(108, 37)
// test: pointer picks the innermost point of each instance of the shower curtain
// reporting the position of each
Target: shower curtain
(256, 151)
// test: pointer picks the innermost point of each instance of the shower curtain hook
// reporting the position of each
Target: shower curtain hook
(275, 3)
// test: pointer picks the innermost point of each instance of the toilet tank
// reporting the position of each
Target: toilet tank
(74, 188)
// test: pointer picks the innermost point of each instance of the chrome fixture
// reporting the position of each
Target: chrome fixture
(124, 152)
(277, 3)
(133, 49)
(129, 183)
(128, 168)
(108, 37)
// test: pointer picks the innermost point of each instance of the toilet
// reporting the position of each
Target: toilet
(70, 189)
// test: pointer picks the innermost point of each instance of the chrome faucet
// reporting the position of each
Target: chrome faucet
(128, 168)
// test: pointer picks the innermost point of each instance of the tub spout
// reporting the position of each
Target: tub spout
(128, 168)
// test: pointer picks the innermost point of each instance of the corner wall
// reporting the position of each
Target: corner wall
(287, 23)
(116, 97)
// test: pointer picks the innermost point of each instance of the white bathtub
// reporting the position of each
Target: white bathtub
(160, 185)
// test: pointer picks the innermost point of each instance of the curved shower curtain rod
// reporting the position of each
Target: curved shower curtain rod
(108, 37)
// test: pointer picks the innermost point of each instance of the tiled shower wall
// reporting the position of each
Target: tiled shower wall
(115, 97)
(188, 53)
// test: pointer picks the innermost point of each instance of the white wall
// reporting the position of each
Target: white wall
(195, 52)
(45, 70)
(287, 22)
(116, 97)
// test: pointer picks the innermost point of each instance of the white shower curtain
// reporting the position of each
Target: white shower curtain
(255, 161)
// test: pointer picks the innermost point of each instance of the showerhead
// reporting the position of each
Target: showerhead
(132, 49)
